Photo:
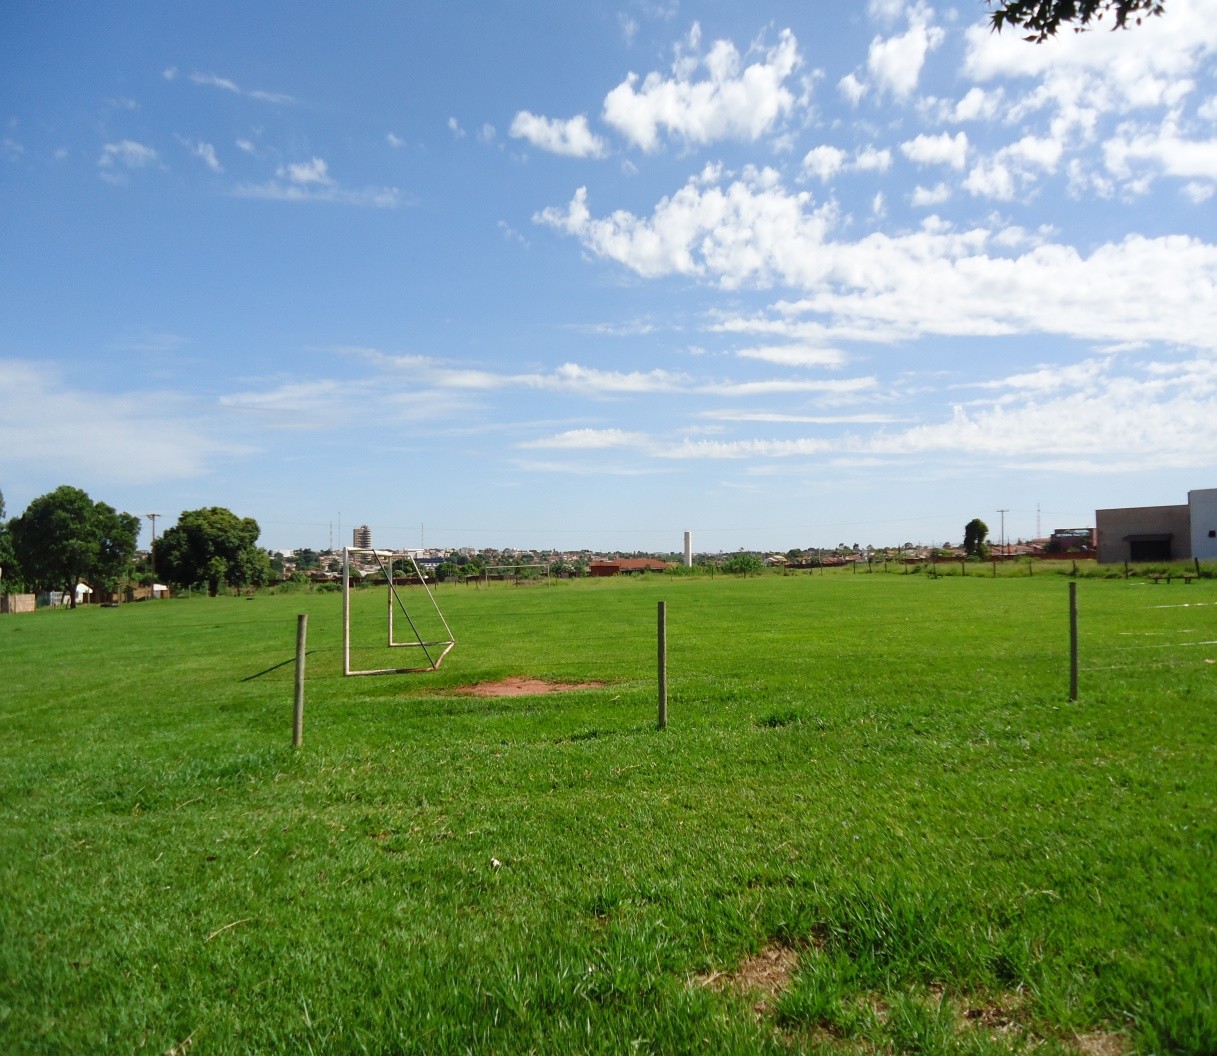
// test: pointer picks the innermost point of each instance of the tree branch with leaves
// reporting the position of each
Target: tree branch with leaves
(1042, 18)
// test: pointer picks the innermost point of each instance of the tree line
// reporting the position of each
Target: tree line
(64, 538)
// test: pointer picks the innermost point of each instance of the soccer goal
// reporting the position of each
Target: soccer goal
(425, 631)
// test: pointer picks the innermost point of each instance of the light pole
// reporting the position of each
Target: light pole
(1003, 530)
(152, 552)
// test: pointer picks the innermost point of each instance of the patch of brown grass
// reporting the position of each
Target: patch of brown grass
(764, 976)
(1101, 1043)
(996, 1014)
(522, 686)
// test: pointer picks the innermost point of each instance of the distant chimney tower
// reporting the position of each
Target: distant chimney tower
(362, 538)
(688, 549)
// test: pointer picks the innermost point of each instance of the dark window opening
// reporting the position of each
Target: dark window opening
(1149, 549)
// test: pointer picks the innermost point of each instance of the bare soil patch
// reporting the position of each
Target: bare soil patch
(764, 975)
(1102, 1044)
(522, 686)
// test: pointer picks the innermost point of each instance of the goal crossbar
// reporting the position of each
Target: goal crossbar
(434, 649)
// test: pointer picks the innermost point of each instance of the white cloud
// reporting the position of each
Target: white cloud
(991, 179)
(205, 152)
(895, 63)
(886, 10)
(568, 377)
(733, 449)
(1161, 49)
(873, 159)
(133, 438)
(1011, 170)
(824, 161)
(978, 104)
(587, 440)
(394, 140)
(1153, 419)
(943, 149)
(210, 80)
(571, 138)
(851, 88)
(730, 102)
(832, 387)
(1164, 149)
(454, 126)
(827, 161)
(314, 171)
(771, 417)
(310, 181)
(923, 197)
(739, 234)
(934, 280)
(795, 355)
(125, 155)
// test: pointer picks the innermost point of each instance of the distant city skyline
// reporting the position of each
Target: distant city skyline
(589, 276)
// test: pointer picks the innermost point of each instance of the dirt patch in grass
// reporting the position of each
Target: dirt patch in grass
(764, 975)
(1101, 1044)
(522, 686)
(999, 1014)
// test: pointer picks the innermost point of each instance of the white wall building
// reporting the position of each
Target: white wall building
(1203, 506)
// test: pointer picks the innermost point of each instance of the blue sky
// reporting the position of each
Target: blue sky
(591, 275)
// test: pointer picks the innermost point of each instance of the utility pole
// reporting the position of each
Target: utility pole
(152, 517)
(1003, 528)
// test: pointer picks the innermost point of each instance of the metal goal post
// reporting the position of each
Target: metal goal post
(434, 650)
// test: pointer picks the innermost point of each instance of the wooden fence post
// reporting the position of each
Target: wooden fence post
(1073, 641)
(298, 713)
(663, 665)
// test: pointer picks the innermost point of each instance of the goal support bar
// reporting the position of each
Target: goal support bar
(434, 650)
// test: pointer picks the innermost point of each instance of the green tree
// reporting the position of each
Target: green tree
(10, 573)
(251, 568)
(975, 532)
(65, 537)
(306, 559)
(743, 565)
(1042, 18)
(213, 546)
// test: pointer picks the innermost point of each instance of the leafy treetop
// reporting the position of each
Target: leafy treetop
(64, 537)
(1042, 18)
(975, 532)
(213, 546)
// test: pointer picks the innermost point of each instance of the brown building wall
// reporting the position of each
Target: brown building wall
(1114, 526)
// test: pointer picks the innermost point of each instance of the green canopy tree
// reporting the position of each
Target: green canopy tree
(64, 537)
(1042, 18)
(213, 546)
(975, 532)
(10, 572)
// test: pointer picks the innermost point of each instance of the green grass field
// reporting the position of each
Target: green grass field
(876, 823)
